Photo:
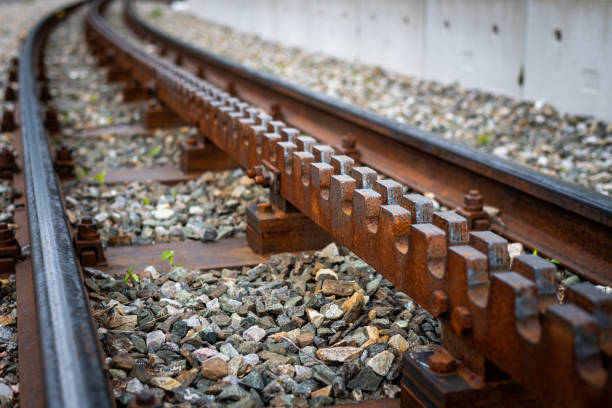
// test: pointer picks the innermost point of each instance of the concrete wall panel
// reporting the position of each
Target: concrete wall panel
(476, 42)
(392, 36)
(485, 44)
(569, 55)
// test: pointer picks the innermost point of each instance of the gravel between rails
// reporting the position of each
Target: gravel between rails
(573, 148)
(212, 207)
(259, 336)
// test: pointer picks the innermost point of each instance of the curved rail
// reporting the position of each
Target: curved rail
(562, 221)
(72, 368)
(561, 353)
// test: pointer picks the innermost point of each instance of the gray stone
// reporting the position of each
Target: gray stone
(253, 380)
(232, 393)
(365, 380)
(155, 340)
(209, 234)
(5, 334)
(6, 395)
(134, 386)
(254, 333)
(323, 374)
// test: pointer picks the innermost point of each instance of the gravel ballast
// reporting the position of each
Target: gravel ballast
(259, 336)
(574, 148)
(138, 213)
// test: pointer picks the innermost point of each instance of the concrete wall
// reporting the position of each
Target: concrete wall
(559, 51)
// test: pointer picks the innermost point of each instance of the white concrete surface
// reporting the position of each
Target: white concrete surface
(483, 44)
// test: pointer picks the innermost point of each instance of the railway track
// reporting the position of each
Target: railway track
(506, 341)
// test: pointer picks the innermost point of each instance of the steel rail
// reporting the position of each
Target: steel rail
(562, 221)
(72, 367)
(560, 352)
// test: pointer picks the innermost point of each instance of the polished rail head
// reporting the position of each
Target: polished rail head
(72, 368)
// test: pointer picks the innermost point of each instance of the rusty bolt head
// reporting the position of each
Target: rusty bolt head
(191, 142)
(439, 303)
(7, 234)
(473, 201)
(461, 320)
(265, 208)
(441, 361)
(63, 153)
(482, 224)
(87, 230)
(262, 180)
(251, 173)
(349, 141)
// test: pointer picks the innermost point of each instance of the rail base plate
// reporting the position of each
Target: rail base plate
(423, 388)
(273, 231)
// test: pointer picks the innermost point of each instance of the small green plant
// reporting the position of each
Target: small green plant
(169, 256)
(94, 98)
(65, 118)
(81, 173)
(99, 177)
(110, 120)
(155, 13)
(155, 151)
(146, 201)
(551, 260)
(131, 278)
(174, 193)
(483, 139)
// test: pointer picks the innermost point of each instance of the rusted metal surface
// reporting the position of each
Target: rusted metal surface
(270, 230)
(8, 120)
(160, 117)
(31, 390)
(198, 156)
(87, 244)
(71, 365)
(423, 387)
(495, 314)
(165, 175)
(8, 165)
(133, 92)
(10, 250)
(225, 253)
(561, 221)
(384, 403)
(10, 95)
(64, 163)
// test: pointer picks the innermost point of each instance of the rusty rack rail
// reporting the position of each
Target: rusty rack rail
(562, 221)
(506, 340)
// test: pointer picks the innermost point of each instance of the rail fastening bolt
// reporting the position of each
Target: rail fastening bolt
(349, 141)
(439, 303)
(461, 320)
(441, 361)
(265, 208)
(473, 201)
(7, 234)
(87, 230)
